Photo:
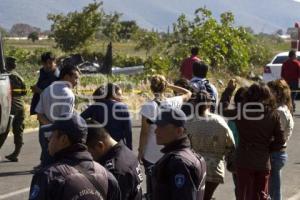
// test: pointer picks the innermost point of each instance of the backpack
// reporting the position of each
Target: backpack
(204, 85)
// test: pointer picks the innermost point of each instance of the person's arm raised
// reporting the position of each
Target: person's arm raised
(186, 94)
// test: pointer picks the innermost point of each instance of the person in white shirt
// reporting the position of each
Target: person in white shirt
(282, 94)
(55, 100)
(149, 151)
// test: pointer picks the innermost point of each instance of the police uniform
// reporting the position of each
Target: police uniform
(179, 174)
(123, 164)
(62, 180)
(73, 175)
(18, 89)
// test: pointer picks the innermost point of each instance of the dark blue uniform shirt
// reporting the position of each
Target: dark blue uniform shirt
(45, 79)
(61, 180)
(115, 118)
(124, 165)
(179, 174)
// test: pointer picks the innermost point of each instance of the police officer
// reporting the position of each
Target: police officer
(180, 173)
(118, 159)
(18, 89)
(74, 174)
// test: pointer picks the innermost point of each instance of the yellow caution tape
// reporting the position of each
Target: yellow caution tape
(77, 90)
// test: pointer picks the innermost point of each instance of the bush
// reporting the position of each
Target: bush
(92, 55)
(157, 65)
(22, 55)
(118, 59)
(25, 56)
(127, 61)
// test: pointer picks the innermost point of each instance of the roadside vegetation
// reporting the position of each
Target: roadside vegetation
(228, 49)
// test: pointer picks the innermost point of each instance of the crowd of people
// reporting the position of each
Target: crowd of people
(188, 136)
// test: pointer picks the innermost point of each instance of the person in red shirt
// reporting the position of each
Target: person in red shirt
(290, 72)
(186, 68)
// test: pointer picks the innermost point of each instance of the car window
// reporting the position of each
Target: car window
(280, 59)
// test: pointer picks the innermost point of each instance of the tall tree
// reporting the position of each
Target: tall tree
(112, 26)
(34, 36)
(23, 30)
(221, 44)
(128, 29)
(76, 29)
(3, 31)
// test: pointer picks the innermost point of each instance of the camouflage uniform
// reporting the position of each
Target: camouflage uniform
(18, 88)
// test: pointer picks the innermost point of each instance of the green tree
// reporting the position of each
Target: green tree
(127, 30)
(34, 36)
(76, 29)
(22, 30)
(3, 31)
(279, 32)
(112, 26)
(221, 44)
(147, 41)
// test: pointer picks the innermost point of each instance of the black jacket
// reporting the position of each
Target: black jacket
(179, 174)
(62, 181)
(123, 164)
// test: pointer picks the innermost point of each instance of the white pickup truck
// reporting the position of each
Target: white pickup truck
(5, 94)
(272, 71)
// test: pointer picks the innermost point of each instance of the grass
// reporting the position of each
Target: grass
(28, 44)
(121, 48)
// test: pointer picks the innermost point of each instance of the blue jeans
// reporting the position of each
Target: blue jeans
(45, 158)
(278, 160)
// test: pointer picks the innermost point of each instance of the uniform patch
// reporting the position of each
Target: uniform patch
(34, 192)
(110, 165)
(139, 173)
(179, 180)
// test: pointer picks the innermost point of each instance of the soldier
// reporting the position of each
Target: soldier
(74, 174)
(118, 159)
(180, 173)
(18, 89)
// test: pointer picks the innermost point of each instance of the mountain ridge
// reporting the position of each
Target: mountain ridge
(261, 16)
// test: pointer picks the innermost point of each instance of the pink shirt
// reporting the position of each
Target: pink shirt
(187, 67)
